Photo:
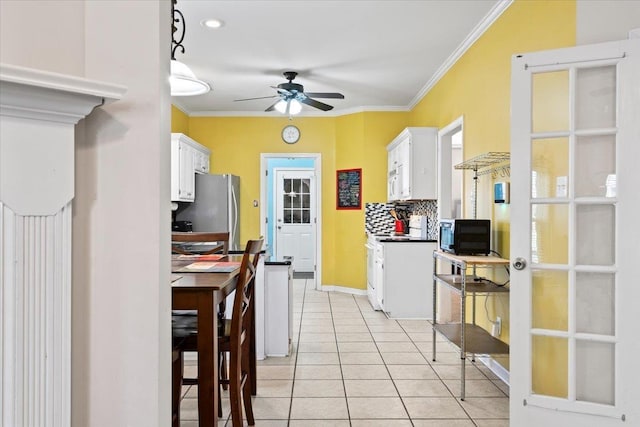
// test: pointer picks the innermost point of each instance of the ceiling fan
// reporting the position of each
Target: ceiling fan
(292, 95)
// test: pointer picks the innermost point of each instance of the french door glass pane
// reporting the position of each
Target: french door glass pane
(306, 201)
(286, 216)
(306, 217)
(550, 101)
(596, 157)
(304, 186)
(288, 185)
(595, 303)
(549, 238)
(596, 97)
(287, 201)
(549, 299)
(549, 167)
(549, 366)
(595, 373)
(595, 234)
(297, 216)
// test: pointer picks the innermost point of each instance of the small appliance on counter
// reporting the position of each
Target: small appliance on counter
(465, 236)
(419, 226)
(182, 226)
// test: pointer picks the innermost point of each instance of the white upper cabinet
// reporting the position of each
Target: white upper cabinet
(187, 158)
(412, 165)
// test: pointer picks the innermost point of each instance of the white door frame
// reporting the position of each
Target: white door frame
(444, 166)
(448, 305)
(317, 157)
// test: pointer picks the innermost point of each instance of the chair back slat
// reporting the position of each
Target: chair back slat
(200, 237)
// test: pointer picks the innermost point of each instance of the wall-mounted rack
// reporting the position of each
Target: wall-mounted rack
(480, 165)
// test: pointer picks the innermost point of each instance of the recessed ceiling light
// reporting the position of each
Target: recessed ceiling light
(212, 23)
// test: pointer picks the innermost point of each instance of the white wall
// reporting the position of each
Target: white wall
(47, 35)
(121, 292)
(600, 21)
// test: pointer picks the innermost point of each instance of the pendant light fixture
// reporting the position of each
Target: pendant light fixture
(182, 80)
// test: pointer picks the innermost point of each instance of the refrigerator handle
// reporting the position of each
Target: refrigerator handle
(235, 215)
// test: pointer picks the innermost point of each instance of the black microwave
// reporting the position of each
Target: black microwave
(465, 236)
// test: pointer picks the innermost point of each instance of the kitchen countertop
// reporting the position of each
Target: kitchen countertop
(405, 239)
(402, 238)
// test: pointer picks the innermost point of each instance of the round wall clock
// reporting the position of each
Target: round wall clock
(290, 134)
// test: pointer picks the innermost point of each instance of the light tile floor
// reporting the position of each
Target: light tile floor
(351, 366)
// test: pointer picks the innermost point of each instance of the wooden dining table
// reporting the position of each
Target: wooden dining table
(203, 291)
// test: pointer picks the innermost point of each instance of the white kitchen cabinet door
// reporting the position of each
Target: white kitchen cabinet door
(187, 158)
(187, 180)
(412, 165)
(406, 282)
(201, 162)
(404, 168)
(392, 179)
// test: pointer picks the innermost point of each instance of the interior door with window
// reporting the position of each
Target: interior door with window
(295, 217)
(574, 240)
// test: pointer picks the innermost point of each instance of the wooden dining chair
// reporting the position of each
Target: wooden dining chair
(237, 337)
(234, 338)
(222, 238)
(176, 387)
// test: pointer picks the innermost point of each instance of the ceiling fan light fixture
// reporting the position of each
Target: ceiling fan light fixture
(184, 82)
(281, 106)
(294, 106)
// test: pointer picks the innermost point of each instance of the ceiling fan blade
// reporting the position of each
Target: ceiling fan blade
(272, 106)
(260, 97)
(333, 95)
(317, 104)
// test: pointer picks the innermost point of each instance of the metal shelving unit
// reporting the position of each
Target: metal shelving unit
(480, 166)
(469, 337)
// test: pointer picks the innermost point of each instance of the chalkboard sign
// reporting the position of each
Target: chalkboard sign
(349, 189)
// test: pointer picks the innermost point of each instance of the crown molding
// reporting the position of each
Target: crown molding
(491, 17)
(334, 113)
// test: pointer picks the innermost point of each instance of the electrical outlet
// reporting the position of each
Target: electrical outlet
(496, 329)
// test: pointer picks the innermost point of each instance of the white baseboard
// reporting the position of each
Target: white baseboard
(343, 289)
(495, 367)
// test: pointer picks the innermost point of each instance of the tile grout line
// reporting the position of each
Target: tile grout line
(335, 335)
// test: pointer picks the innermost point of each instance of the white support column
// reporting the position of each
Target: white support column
(38, 113)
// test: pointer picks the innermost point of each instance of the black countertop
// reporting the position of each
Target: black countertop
(402, 239)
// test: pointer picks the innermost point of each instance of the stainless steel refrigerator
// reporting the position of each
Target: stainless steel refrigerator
(216, 206)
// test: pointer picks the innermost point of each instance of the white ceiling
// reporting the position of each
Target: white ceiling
(380, 54)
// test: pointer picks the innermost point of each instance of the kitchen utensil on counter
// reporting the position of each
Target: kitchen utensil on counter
(399, 227)
(394, 214)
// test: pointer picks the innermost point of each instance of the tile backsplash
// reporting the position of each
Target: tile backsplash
(378, 220)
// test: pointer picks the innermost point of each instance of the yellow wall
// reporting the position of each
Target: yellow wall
(478, 88)
(236, 144)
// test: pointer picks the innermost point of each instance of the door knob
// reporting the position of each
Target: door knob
(279, 228)
(519, 263)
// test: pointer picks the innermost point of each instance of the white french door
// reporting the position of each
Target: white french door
(296, 217)
(575, 218)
